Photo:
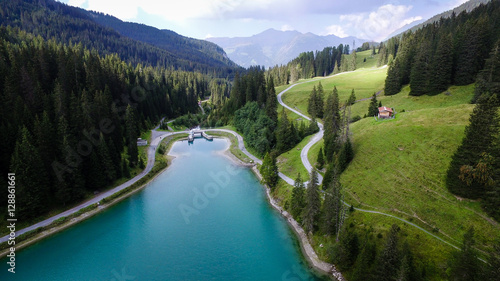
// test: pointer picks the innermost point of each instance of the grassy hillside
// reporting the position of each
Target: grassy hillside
(399, 168)
(371, 61)
(364, 82)
(400, 165)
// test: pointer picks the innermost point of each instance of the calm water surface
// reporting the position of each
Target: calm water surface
(202, 219)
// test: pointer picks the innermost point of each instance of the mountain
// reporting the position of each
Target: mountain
(134, 43)
(273, 47)
(465, 7)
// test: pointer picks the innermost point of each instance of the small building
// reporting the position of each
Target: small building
(141, 142)
(385, 112)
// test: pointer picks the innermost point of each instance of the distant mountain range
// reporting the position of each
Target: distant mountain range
(273, 47)
(465, 7)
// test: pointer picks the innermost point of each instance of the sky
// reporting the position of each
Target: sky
(366, 19)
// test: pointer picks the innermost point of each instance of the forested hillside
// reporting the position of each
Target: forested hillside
(70, 118)
(449, 52)
(311, 64)
(70, 25)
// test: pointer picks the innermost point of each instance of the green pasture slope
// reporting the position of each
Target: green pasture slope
(399, 166)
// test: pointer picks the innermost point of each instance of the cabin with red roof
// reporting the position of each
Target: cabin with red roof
(385, 112)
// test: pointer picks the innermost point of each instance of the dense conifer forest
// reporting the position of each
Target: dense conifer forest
(68, 114)
(132, 42)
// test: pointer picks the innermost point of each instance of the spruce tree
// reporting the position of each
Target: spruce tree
(488, 80)
(331, 125)
(408, 270)
(318, 102)
(333, 207)
(283, 136)
(298, 200)
(132, 134)
(419, 77)
(269, 170)
(373, 107)
(313, 203)
(311, 105)
(271, 102)
(465, 264)
(479, 137)
(352, 98)
(393, 81)
(31, 178)
(389, 260)
(364, 265)
(320, 160)
(442, 66)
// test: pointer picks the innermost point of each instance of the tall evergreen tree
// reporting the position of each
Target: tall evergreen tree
(479, 137)
(269, 170)
(419, 77)
(313, 203)
(320, 162)
(311, 105)
(365, 262)
(298, 200)
(488, 80)
(31, 178)
(271, 102)
(331, 125)
(442, 66)
(408, 271)
(389, 260)
(284, 139)
(132, 134)
(333, 207)
(318, 102)
(373, 107)
(393, 81)
(465, 264)
(352, 98)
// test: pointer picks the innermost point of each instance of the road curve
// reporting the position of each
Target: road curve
(317, 137)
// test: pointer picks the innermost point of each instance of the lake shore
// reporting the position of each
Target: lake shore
(321, 267)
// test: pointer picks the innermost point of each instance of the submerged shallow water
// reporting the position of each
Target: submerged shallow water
(202, 219)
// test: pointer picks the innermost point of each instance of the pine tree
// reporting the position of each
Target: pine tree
(348, 250)
(442, 66)
(408, 271)
(283, 134)
(318, 102)
(479, 137)
(271, 102)
(311, 105)
(132, 134)
(269, 170)
(298, 200)
(333, 207)
(389, 260)
(364, 265)
(373, 107)
(352, 98)
(331, 125)
(321, 161)
(345, 155)
(393, 81)
(31, 178)
(488, 80)
(313, 203)
(465, 264)
(419, 77)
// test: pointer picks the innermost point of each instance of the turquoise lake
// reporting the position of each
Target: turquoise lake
(202, 219)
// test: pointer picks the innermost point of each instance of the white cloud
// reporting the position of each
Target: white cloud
(208, 36)
(336, 30)
(378, 24)
(286, 27)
